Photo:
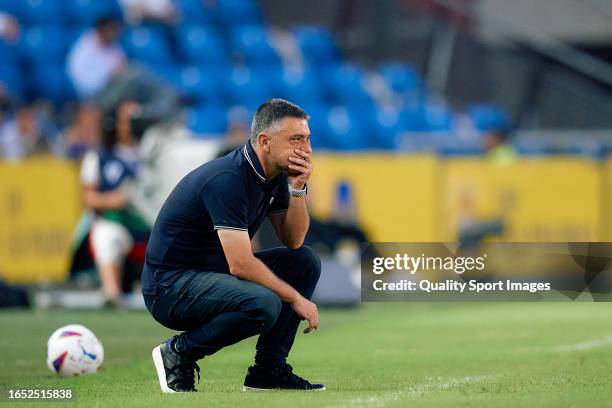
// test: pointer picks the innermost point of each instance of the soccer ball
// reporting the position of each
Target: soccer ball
(74, 350)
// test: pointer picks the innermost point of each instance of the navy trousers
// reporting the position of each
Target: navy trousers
(215, 310)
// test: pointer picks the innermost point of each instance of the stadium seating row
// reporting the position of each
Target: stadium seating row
(222, 54)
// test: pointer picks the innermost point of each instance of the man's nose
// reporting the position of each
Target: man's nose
(305, 145)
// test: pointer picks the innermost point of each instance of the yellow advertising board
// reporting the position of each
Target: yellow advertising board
(540, 200)
(395, 196)
(39, 206)
(396, 199)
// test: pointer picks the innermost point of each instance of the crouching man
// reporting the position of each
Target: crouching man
(201, 276)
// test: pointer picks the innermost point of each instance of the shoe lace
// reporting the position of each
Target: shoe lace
(287, 375)
(184, 373)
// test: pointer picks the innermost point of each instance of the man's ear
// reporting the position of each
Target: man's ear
(264, 142)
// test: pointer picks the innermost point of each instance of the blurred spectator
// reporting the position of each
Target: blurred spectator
(22, 136)
(499, 150)
(9, 27)
(137, 11)
(154, 126)
(157, 99)
(96, 57)
(473, 228)
(104, 174)
(238, 132)
(83, 133)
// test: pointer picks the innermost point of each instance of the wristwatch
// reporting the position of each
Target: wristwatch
(298, 193)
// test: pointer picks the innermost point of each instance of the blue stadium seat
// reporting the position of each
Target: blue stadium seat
(197, 12)
(8, 53)
(252, 45)
(51, 82)
(270, 75)
(73, 34)
(44, 44)
(168, 71)
(86, 12)
(148, 45)
(344, 85)
(197, 84)
(43, 12)
(386, 124)
(246, 88)
(301, 86)
(202, 45)
(401, 77)
(234, 12)
(14, 8)
(430, 116)
(319, 125)
(316, 44)
(437, 117)
(345, 130)
(488, 117)
(413, 118)
(404, 80)
(11, 77)
(207, 119)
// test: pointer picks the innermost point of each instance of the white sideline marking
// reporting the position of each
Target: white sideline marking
(411, 391)
(585, 345)
(568, 348)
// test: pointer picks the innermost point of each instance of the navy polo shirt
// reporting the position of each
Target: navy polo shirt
(230, 192)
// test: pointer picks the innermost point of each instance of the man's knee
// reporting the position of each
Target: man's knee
(264, 308)
(310, 262)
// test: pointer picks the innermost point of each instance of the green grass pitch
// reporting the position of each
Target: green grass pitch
(377, 355)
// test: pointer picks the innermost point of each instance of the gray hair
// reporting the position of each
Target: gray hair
(270, 113)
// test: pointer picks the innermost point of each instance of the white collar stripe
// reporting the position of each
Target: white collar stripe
(246, 154)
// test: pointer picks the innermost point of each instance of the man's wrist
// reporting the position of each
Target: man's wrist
(297, 185)
(295, 298)
(298, 192)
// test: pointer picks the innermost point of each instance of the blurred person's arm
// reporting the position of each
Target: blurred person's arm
(92, 198)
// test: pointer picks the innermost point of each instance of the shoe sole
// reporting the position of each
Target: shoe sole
(161, 371)
(245, 388)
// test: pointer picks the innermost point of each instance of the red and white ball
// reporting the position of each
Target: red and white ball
(74, 350)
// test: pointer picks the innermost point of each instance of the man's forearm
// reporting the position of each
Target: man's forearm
(256, 271)
(296, 222)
